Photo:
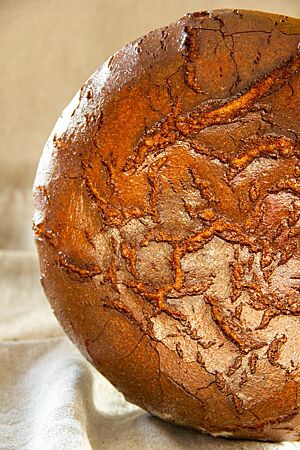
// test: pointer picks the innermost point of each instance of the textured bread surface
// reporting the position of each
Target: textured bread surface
(167, 222)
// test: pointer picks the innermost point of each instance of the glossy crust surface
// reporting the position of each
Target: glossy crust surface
(167, 222)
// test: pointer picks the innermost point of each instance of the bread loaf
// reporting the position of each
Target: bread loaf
(167, 222)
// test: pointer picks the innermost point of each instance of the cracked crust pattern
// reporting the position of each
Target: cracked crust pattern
(167, 220)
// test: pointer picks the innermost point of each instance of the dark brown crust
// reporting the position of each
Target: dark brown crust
(167, 220)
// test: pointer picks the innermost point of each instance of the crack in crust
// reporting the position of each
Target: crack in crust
(265, 146)
(71, 266)
(191, 56)
(176, 127)
(232, 329)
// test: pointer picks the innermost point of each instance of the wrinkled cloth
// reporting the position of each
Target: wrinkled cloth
(50, 397)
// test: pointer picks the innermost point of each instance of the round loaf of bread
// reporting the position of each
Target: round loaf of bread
(167, 220)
